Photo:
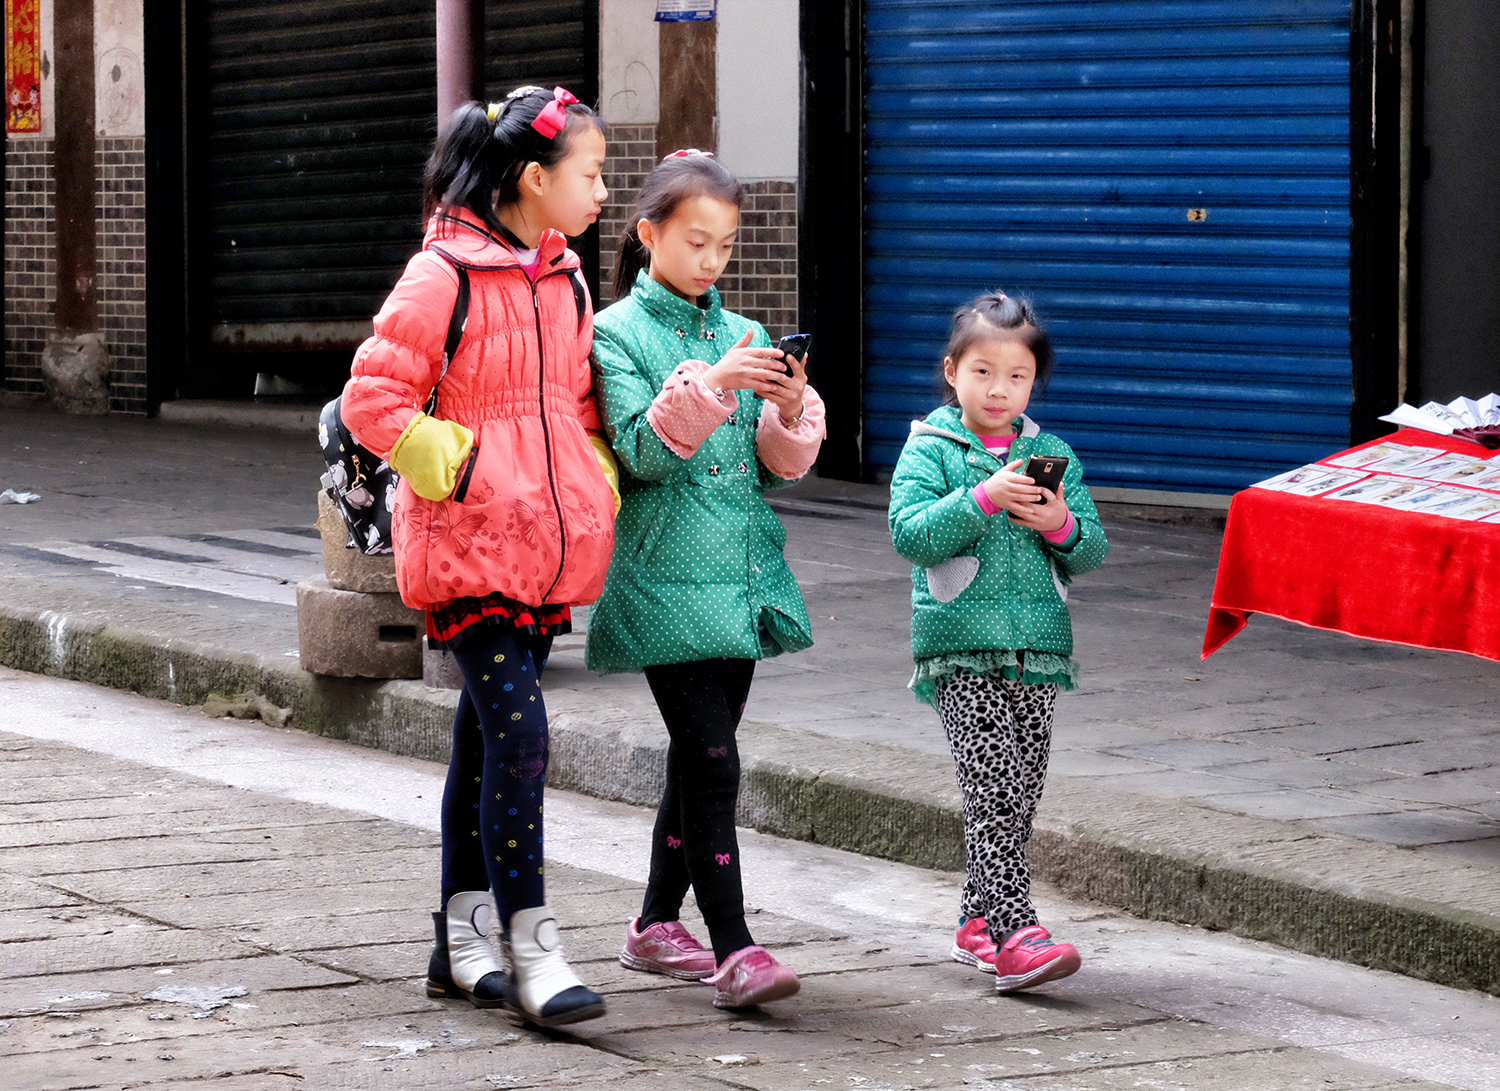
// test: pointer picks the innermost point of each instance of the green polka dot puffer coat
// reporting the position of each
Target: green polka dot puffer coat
(698, 570)
(1015, 595)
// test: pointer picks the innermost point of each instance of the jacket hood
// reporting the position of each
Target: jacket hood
(462, 238)
(947, 421)
(670, 307)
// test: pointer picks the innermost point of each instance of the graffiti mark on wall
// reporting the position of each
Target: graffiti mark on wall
(120, 88)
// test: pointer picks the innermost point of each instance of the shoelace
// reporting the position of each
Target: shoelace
(1037, 942)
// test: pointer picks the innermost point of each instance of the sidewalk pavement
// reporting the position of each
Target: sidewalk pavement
(1333, 795)
(192, 902)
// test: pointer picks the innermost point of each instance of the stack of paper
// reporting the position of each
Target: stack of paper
(1444, 419)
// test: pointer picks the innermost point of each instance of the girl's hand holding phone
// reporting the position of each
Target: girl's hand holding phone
(1018, 494)
(760, 370)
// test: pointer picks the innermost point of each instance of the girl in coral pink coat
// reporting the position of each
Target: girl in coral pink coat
(505, 513)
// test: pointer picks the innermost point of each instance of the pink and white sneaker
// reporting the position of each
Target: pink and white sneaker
(1028, 957)
(666, 949)
(751, 976)
(973, 947)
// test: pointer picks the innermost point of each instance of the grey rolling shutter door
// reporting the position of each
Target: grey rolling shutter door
(318, 119)
(1169, 181)
(549, 43)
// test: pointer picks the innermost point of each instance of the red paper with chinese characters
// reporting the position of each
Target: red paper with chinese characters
(1404, 577)
(23, 75)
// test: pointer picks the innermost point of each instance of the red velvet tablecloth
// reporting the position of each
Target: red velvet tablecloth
(1404, 577)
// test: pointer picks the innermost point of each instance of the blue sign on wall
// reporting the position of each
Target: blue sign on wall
(685, 11)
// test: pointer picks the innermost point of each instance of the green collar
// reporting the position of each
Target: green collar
(672, 308)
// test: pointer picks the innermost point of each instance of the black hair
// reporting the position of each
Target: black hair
(996, 316)
(477, 163)
(676, 179)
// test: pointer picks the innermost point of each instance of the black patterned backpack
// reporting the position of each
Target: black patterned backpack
(361, 484)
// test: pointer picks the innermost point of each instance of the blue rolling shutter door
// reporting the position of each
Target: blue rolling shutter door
(1168, 181)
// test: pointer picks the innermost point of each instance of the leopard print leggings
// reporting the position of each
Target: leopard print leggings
(1000, 732)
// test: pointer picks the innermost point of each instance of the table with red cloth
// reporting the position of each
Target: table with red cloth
(1405, 577)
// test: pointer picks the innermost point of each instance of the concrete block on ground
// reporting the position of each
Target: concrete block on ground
(440, 669)
(353, 634)
(347, 568)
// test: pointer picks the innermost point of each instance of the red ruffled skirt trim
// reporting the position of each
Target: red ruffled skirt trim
(447, 622)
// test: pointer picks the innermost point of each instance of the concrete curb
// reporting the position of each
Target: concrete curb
(1331, 896)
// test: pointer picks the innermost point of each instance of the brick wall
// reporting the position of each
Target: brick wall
(761, 279)
(120, 193)
(30, 273)
(30, 278)
(632, 155)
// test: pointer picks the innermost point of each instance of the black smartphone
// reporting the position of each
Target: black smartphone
(794, 345)
(1046, 471)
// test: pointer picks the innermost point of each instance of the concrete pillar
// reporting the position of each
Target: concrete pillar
(460, 54)
(75, 365)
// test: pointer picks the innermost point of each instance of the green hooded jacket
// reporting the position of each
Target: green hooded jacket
(984, 588)
(698, 570)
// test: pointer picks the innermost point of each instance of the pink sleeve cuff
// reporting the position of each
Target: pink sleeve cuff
(686, 412)
(1062, 533)
(790, 452)
(982, 498)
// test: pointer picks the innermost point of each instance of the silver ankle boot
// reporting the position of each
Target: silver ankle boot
(544, 991)
(465, 963)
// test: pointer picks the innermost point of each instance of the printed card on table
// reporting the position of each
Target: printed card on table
(1358, 460)
(1378, 490)
(1309, 480)
(1440, 468)
(1439, 500)
(1404, 461)
(1463, 470)
(1486, 505)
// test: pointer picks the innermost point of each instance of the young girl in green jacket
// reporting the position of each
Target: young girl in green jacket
(704, 416)
(993, 553)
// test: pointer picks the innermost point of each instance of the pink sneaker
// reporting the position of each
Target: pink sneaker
(973, 946)
(751, 976)
(1028, 957)
(666, 949)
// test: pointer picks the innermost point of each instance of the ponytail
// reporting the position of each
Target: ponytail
(479, 155)
(677, 178)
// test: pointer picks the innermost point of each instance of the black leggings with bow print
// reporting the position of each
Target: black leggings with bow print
(694, 842)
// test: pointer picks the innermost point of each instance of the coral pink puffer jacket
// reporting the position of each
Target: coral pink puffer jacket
(535, 518)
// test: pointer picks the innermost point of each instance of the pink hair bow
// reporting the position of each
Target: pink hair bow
(686, 151)
(554, 115)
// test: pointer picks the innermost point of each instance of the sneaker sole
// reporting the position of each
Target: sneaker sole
(776, 990)
(969, 958)
(1060, 967)
(651, 966)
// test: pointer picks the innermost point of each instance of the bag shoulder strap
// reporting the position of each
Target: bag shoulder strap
(456, 323)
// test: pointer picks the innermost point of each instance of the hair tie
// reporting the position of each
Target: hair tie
(687, 151)
(554, 115)
(493, 111)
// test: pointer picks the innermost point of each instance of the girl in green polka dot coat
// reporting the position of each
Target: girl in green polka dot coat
(704, 416)
(990, 630)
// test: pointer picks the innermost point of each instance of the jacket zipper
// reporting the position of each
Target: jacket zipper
(541, 379)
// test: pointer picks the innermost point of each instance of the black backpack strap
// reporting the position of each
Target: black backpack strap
(456, 323)
(580, 295)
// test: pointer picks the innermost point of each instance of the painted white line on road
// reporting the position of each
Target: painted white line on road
(198, 577)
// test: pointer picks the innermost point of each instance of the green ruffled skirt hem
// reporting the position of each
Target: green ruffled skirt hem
(1040, 667)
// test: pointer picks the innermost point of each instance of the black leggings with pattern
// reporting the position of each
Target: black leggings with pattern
(492, 802)
(1000, 732)
(694, 842)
